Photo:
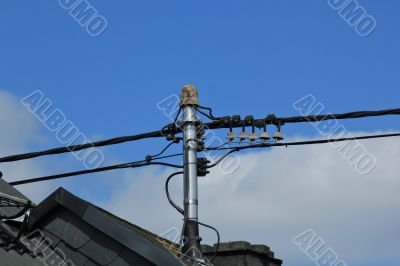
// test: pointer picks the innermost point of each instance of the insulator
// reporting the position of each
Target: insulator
(231, 136)
(253, 137)
(265, 136)
(243, 136)
(278, 134)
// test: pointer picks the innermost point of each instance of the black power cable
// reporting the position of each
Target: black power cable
(100, 169)
(222, 157)
(150, 157)
(297, 143)
(218, 238)
(351, 115)
(177, 115)
(205, 114)
(224, 122)
(173, 204)
(286, 144)
(236, 122)
(181, 211)
(209, 115)
(171, 129)
(74, 148)
(148, 160)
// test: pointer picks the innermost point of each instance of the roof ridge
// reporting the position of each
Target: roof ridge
(80, 206)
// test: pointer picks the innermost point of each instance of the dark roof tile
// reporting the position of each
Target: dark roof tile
(15, 254)
(54, 241)
(69, 228)
(39, 236)
(127, 258)
(101, 248)
(91, 263)
(77, 258)
(51, 257)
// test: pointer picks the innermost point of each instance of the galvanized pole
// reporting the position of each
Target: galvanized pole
(188, 102)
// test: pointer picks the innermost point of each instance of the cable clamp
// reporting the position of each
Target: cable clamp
(148, 159)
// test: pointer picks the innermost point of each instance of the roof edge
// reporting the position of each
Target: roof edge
(127, 234)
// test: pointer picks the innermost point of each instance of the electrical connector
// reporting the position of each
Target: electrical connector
(202, 165)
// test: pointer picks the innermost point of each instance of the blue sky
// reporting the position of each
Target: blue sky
(256, 57)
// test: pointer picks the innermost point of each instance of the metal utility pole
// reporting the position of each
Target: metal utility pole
(188, 102)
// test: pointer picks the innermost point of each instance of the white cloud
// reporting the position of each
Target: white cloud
(278, 194)
(19, 129)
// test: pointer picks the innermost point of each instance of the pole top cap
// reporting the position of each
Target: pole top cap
(189, 96)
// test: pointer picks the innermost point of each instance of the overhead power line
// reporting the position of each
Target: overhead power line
(351, 115)
(101, 169)
(286, 144)
(149, 159)
(194, 141)
(235, 121)
(218, 123)
(74, 148)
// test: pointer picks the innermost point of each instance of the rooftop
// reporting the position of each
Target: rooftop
(67, 230)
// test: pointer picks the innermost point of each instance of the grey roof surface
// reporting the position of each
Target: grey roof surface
(7, 189)
(65, 228)
(15, 253)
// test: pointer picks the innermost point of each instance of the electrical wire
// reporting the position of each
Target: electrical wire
(217, 124)
(286, 144)
(181, 211)
(216, 247)
(100, 169)
(209, 109)
(228, 122)
(177, 115)
(236, 149)
(350, 115)
(224, 144)
(148, 160)
(162, 151)
(210, 227)
(173, 204)
(218, 238)
(223, 157)
(74, 148)
(174, 126)
(206, 115)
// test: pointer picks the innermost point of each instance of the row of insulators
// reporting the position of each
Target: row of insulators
(253, 136)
